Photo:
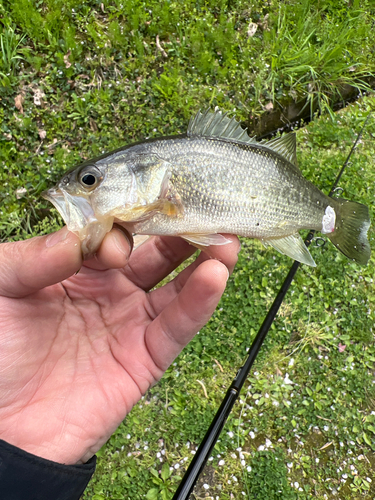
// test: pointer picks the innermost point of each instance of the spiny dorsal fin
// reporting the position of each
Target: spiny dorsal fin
(285, 145)
(217, 124)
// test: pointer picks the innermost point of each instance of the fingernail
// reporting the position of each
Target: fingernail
(56, 238)
(125, 247)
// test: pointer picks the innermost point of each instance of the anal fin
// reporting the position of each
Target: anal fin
(205, 240)
(292, 246)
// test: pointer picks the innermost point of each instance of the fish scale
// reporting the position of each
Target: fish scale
(216, 198)
(215, 179)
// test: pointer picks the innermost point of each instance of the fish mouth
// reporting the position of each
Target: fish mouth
(80, 218)
(75, 210)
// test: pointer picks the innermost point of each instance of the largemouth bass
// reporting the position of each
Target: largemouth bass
(215, 179)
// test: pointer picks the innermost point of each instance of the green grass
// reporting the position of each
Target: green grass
(92, 79)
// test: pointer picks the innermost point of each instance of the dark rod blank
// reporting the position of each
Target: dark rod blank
(204, 451)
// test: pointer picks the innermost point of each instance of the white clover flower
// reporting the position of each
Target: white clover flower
(221, 462)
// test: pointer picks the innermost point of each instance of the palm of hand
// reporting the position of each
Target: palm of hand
(79, 354)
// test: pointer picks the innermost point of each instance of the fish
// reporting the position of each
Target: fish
(214, 179)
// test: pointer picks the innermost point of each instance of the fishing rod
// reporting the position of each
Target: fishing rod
(204, 451)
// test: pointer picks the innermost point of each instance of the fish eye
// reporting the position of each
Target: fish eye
(90, 177)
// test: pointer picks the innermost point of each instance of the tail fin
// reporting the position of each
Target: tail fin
(350, 234)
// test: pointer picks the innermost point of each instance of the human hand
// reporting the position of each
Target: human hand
(77, 351)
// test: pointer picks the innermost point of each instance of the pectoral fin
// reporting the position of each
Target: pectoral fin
(292, 246)
(138, 213)
(205, 240)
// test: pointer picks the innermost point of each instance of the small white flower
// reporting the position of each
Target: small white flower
(230, 434)
(261, 447)
(291, 362)
(251, 434)
(268, 443)
(289, 465)
(177, 466)
(221, 462)
(317, 460)
(296, 484)
(243, 463)
(248, 468)
(206, 486)
(287, 379)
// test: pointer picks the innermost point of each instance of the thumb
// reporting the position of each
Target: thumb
(30, 265)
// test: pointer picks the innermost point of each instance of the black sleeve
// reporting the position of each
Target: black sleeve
(27, 477)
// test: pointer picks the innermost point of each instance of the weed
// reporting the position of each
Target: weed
(11, 50)
(165, 484)
(266, 477)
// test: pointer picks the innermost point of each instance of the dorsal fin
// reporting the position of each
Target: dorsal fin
(285, 145)
(217, 124)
